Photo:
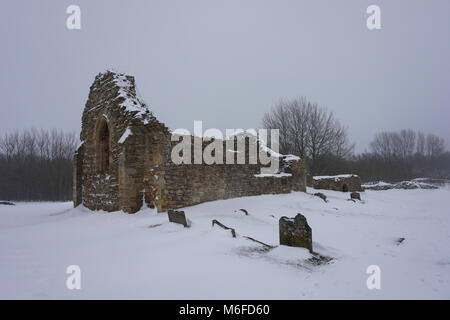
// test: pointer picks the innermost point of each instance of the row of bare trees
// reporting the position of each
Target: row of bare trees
(310, 132)
(36, 165)
(313, 133)
(405, 154)
(406, 143)
(373, 167)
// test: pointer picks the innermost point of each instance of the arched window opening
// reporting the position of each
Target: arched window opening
(103, 147)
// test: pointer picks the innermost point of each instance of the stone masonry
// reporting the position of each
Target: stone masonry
(124, 159)
(343, 182)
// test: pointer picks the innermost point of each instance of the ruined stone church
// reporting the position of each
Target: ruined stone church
(124, 159)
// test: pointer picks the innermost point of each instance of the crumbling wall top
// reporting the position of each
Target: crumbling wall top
(114, 89)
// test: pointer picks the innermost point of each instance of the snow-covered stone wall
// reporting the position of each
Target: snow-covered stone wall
(342, 182)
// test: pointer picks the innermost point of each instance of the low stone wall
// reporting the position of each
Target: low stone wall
(172, 186)
(344, 183)
(187, 185)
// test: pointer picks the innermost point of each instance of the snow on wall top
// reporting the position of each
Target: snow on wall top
(125, 135)
(339, 176)
(377, 184)
(241, 134)
(127, 91)
(131, 102)
(274, 175)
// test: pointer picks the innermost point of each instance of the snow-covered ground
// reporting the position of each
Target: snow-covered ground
(145, 256)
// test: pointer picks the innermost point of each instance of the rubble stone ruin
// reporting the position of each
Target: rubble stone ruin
(343, 182)
(124, 159)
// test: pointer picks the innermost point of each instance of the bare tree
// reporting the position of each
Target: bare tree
(342, 148)
(384, 145)
(420, 148)
(36, 165)
(397, 155)
(395, 145)
(279, 118)
(309, 131)
(299, 115)
(407, 143)
(435, 145)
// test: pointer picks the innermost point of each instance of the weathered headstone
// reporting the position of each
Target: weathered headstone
(355, 195)
(295, 232)
(178, 217)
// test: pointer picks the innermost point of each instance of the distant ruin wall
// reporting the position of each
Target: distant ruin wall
(344, 183)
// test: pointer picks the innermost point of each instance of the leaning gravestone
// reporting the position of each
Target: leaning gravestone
(233, 232)
(295, 232)
(321, 195)
(178, 217)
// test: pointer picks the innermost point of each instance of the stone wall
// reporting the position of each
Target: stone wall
(187, 185)
(345, 183)
(112, 102)
(190, 184)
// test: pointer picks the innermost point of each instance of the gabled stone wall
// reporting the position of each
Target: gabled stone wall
(112, 99)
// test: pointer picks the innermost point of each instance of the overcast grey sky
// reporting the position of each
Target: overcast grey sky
(226, 62)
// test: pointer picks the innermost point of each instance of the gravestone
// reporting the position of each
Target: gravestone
(233, 232)
(295, 232)
(355, 195)
(178, 217)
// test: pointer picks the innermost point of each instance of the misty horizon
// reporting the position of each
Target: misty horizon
(228, 64)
